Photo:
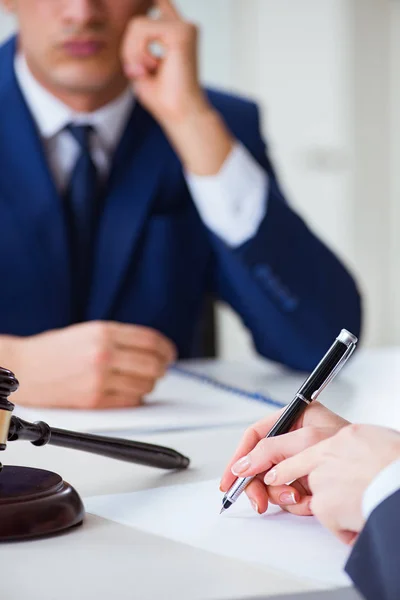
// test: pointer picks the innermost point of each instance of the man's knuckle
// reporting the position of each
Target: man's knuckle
(150, 338)
(94, 396)
(186, 32)
(100, 355)
(96, 379)
(92, 402)
(155, 368)
(154, 339)
(137, 23)
(101, 334)
(148, 386)
(193, 29)
(135, 399)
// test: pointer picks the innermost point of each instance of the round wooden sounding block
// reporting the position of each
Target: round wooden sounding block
(36, 503)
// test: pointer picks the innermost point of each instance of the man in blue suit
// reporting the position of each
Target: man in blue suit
(127, 194)
(348, 476)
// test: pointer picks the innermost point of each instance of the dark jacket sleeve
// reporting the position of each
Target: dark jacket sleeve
(374, 565)
(291, 291)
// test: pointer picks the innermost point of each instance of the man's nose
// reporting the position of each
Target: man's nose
(83, 11)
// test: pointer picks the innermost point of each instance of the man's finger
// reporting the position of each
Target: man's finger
(143, 338)
(114, 400)
(299, 464)
(136, 363)
(121, 384)
(168, 10)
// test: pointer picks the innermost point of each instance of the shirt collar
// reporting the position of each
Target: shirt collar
(52, 115)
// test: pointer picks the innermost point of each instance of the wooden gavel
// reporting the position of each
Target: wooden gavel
(13, 428)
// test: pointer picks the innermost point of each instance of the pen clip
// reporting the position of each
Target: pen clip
(335, 371)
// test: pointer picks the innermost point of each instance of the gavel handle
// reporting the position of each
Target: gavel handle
(40, 434)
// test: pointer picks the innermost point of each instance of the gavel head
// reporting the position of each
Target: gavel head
(8, 385)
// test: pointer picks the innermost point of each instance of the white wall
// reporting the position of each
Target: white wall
(394, 291)
(370, 126)
(326, 73)
(327, 76)
(298, 55)
(6, 24)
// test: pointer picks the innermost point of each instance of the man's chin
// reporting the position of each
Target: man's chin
(81, 82)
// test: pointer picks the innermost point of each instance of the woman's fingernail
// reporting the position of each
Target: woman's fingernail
(310, 507)
(287, 498)
(241, 465)
(270, 477)
(254, 505)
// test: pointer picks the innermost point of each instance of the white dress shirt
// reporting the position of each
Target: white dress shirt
(231, 204)
(386, 483)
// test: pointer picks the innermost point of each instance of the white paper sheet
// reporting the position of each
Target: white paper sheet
(178, 402)
(190, 514)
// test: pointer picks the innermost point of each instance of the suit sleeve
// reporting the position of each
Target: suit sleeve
(374, 565)
(290, 290)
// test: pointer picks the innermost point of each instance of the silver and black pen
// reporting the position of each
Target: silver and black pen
(333, 361)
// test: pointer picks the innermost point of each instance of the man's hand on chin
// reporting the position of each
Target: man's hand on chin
(169, 88)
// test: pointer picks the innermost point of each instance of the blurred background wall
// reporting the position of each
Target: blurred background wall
(326, 75)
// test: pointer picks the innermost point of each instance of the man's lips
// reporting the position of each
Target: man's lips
(83, 48)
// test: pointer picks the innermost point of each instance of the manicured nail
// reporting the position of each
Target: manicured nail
(270, 477)
(255, 506)
(310, 508)
(241, 465)
(287, 498)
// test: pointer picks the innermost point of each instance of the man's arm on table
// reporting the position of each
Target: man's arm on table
(87, 366)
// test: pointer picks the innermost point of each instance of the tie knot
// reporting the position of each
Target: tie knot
(82, 134)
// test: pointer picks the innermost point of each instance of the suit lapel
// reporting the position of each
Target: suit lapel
(27, 187)
(137, 166)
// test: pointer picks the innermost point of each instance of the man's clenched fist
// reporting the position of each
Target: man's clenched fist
(90, 365)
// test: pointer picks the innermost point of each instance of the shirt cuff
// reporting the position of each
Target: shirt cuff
(233, 203)
(385, 484)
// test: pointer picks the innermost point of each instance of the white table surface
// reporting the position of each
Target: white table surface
(103, 559)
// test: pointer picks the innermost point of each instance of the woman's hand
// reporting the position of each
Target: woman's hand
(256, 455)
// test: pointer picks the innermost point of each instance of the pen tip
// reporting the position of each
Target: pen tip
(222, 510)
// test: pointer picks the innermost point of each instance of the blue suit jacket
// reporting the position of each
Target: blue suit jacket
(155, 260)
(374, 564)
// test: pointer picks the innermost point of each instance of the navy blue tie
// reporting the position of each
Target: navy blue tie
(81, 205)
